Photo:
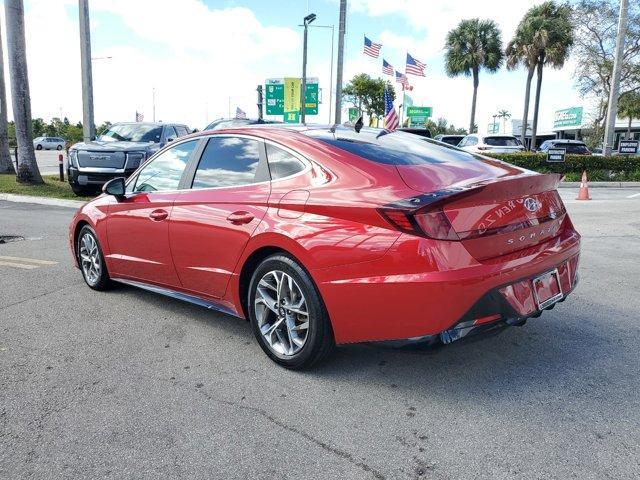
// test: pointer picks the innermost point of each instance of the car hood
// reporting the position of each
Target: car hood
(99, 146)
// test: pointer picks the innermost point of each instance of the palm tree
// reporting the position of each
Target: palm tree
(6, 165)
(520, 51)
(629, 107)
(548, 36)
(504, 114)
(473, 45)
(21, 100)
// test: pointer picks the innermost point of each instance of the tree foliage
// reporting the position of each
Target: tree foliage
(442, 127)
(596, 28)
(472, 46)
(629, 107)
(367, 94)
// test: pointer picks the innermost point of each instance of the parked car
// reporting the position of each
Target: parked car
(571, 146)
(324, 236)
(422, 132)
(48, 143)
(491, 143)
(117, 153)
(450, 139)
(237, 122)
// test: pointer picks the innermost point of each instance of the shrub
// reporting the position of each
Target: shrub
(597, 167)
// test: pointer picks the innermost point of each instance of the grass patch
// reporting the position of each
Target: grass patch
(52, 187)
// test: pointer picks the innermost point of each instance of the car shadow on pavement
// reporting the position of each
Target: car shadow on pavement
(545, 355)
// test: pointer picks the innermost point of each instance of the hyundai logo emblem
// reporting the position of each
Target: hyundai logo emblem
(531, 204)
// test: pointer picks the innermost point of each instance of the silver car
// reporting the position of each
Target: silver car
(48, 143)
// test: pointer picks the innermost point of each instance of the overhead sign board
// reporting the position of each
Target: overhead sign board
(493, 128)
(282, 95)
(628, 147)
(556, 155)
(414, 111)
(354, 114)
(274, 96)
(568, 117)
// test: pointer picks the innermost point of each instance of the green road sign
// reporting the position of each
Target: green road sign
(274, 96)
(417, 121)
(568, 117)
(418, 112)
(493, 128)
(292, 117)
(353, 115)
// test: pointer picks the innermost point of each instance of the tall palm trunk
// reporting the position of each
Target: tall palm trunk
(476, 80)
(6, 165)
(527, 96)
(21, 100)
(536, 107)
(629, 128)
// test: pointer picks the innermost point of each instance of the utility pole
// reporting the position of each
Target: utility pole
(614, 91)
(153, 102)
(303, 91)
(341, 31)
(260, 101)
(88, 127)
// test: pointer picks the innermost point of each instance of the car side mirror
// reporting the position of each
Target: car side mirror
(170, 139)
(114, 187)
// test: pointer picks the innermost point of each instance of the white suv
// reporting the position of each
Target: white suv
(491, 144)
(48, 143)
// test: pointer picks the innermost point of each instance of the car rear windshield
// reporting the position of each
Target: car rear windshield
(501, 141)
(132, 132)
(390, 148)
(572, 147)
(452, 140)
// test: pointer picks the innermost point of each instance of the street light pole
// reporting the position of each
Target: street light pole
(88, 127)
(614, 91)
(303, 91)
(341, 31)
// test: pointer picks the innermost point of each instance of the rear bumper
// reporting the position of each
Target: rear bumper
(422, 288)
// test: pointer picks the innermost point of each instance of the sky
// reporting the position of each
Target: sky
(204, 58)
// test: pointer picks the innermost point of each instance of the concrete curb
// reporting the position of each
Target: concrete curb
(56, 202)
(601, 185)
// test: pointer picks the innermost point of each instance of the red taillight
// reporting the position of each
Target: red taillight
(431, 223)
(435, 224)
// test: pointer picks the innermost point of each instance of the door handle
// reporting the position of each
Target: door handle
(158, 215)
(240, 217)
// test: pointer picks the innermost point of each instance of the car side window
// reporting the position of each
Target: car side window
(227, 162)
(282, 163)
(163, 173)
(182, 130)
(472, 141)
(170, 132)
(463, 142)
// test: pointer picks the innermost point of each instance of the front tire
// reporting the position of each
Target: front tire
(39, 147)
(59, 147)
(83, 191)
(287, 314)
(91, 261)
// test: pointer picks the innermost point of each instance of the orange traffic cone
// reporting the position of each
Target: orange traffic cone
(583, 194)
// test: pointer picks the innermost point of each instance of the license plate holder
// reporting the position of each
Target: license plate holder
(547, 289)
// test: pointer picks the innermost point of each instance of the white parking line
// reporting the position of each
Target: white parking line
(29, 260)
(634, 195)
(18, 265)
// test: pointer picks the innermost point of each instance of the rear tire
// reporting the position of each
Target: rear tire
(91, 261)
(287, 314)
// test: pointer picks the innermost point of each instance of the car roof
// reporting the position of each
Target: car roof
(566, 140)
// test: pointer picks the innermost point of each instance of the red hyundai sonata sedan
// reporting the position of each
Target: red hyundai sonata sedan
(324, 236)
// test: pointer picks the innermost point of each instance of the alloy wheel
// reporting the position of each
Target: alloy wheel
(90, 259)
(281, 310)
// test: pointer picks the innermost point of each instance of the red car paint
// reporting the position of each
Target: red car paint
(378, 277)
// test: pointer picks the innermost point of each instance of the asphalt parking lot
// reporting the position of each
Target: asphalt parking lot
(128, 384)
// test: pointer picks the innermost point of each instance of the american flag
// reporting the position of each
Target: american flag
(402, 78)
(371, 48)
(390, 116)
(387, 68)
(139, 117)
(240, 113)
(414, 67)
